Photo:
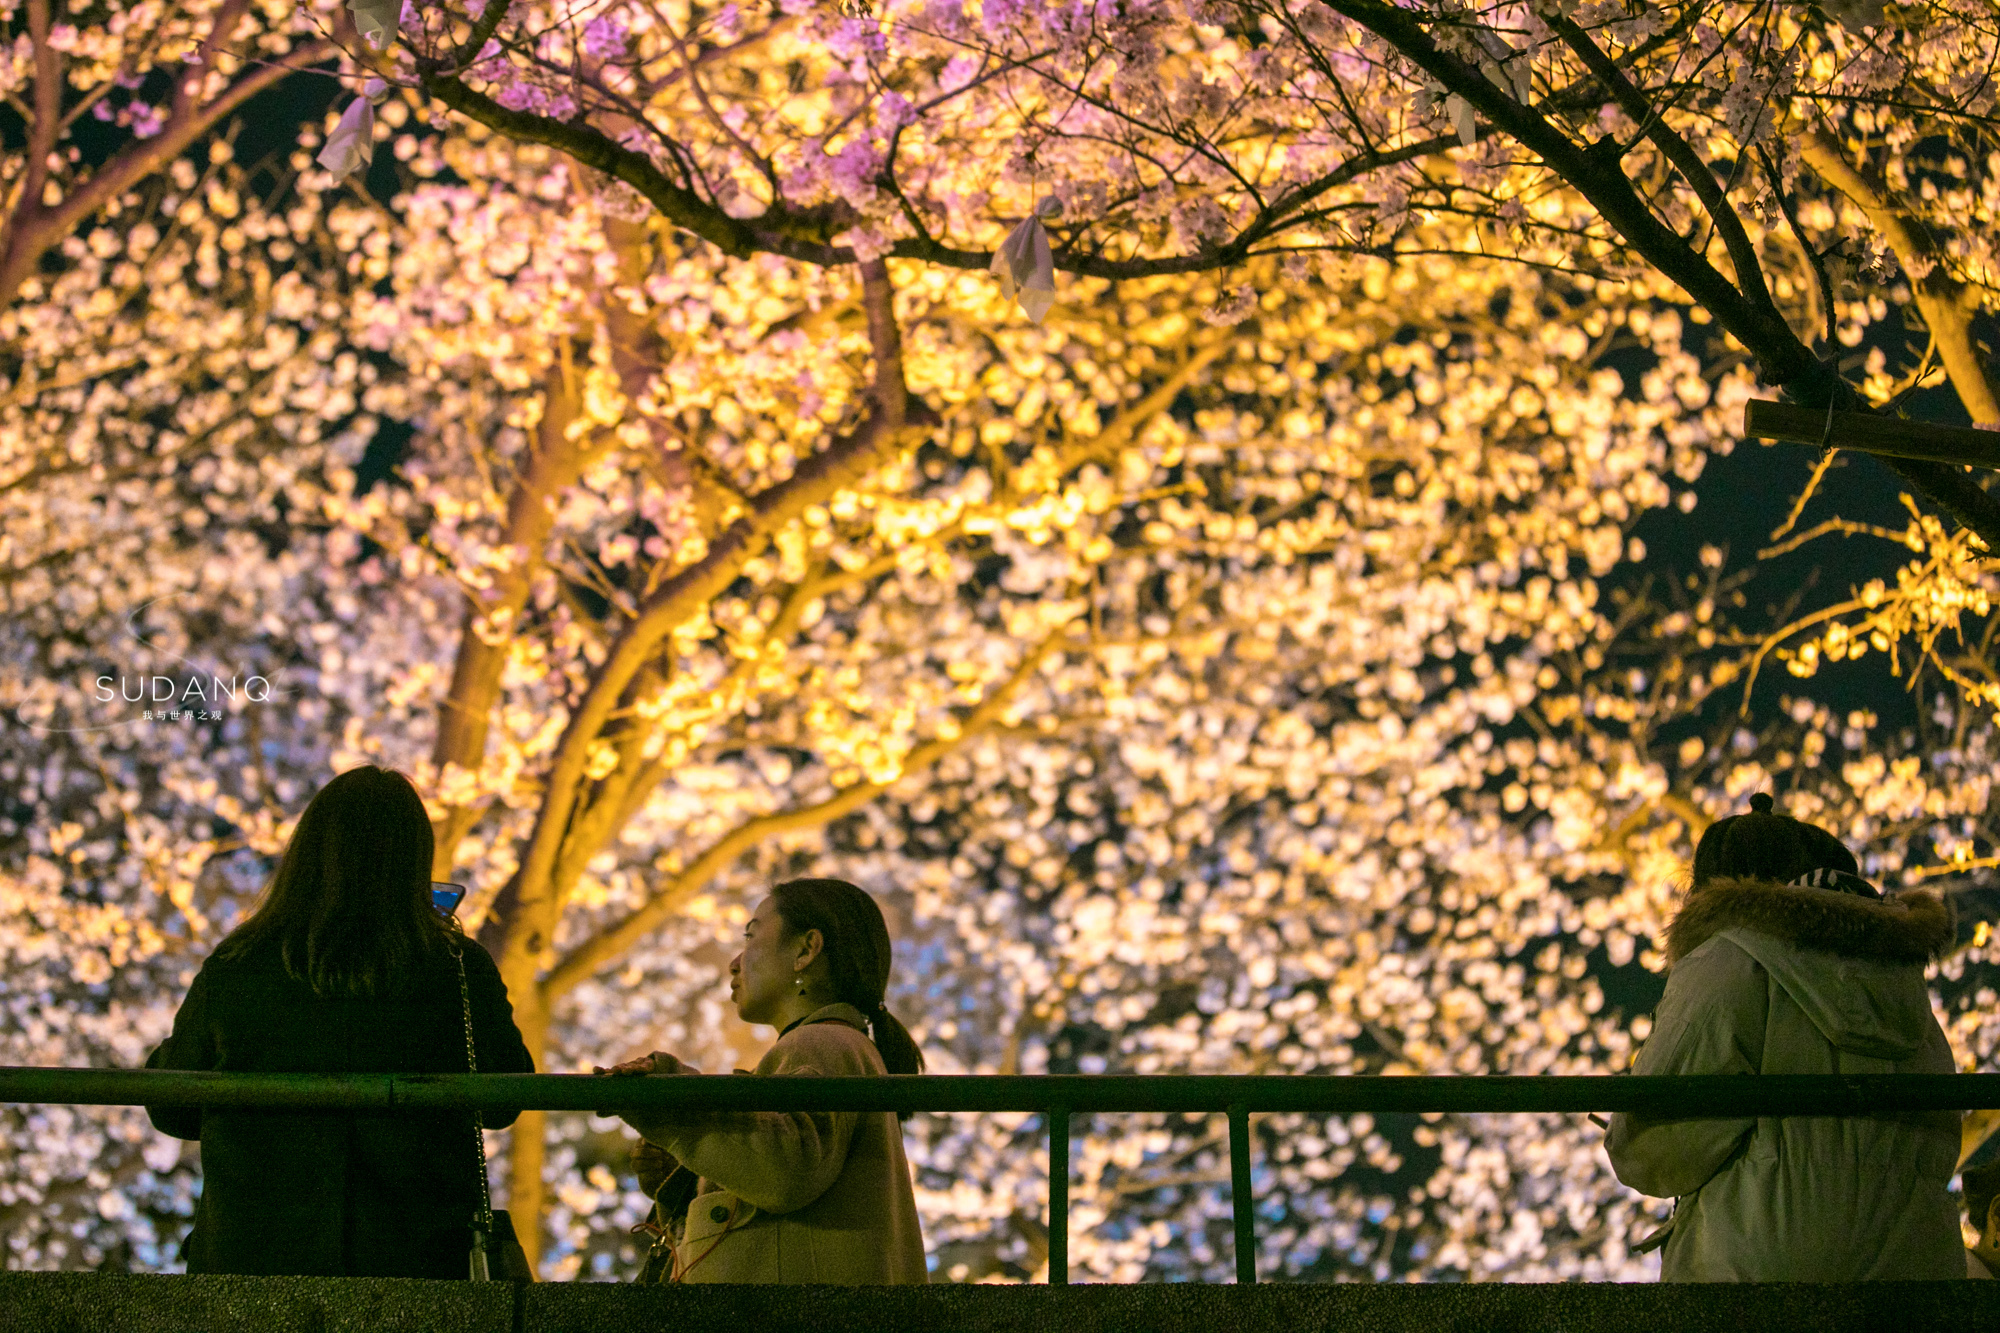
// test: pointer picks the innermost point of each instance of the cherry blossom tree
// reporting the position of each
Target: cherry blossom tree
(1173, 146)
(1228, 667)
(1050, 515)
(176, 400)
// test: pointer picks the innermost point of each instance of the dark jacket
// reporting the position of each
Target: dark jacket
(1785, 979)
(374, 1194)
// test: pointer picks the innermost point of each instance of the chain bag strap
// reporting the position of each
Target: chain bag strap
(482, 1220)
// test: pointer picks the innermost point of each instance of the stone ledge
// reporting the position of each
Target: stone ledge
(106, 1303)
(121, 1303)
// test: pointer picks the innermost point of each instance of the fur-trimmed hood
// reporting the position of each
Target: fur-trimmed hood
(1912, 927)
(1854, 965)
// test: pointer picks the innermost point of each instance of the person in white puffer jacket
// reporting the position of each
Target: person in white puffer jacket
(1785, 961)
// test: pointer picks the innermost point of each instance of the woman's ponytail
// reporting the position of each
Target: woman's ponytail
(898, 1047)
(857, 949)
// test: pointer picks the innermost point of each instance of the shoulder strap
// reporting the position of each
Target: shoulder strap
(482, 1221)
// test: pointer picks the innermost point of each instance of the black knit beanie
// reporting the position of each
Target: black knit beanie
(1769, 846)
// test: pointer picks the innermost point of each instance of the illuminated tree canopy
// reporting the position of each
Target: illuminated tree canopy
(609, 415)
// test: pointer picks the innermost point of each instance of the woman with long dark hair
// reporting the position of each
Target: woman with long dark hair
(1786, 961)
(346, 966)
(791, 1196)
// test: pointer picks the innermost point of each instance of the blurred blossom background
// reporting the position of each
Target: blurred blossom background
(1312, 647)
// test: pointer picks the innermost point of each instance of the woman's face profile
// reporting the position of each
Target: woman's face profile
(766, 972)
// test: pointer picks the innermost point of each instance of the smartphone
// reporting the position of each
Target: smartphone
(446, 897)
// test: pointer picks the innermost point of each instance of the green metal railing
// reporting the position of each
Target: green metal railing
(1056, 1097)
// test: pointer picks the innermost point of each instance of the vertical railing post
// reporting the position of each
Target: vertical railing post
(1059, 1196)
(1241, 1202)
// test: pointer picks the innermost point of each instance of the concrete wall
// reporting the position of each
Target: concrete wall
(94, 1303)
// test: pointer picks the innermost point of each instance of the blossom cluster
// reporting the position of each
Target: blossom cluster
(1245, 668)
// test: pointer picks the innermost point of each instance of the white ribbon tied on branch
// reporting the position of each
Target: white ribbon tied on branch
(377, 21)
(351, 146)
(1027, 271)
(1460, 112)
(1425, 104)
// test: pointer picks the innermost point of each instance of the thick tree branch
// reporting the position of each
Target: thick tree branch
(1947, 305)
(806, 234)
(614, 940)
(1742, 254)
(604, 812)
(529, 921)
(48, 122)
(621, 795)
(486, 631)
(781, 231)
(1595, 172)
(482, 32)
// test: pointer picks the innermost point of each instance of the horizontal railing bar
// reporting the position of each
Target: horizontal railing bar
(1685, 1096)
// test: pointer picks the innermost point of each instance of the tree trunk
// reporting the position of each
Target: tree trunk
(526, 1192)
(528, 1144)
(486, 634)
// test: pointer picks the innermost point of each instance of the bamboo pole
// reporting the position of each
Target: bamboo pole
(1888, 437)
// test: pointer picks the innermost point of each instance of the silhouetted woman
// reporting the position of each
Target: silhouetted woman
(797, 1196)
(1786, 961)
(345, 966)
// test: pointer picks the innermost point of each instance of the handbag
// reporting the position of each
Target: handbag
(492, 1228)
(670, 1204)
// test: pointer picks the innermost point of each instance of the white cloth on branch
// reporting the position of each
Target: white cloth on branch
(1027, 272)
(377, 21)
(351, 146)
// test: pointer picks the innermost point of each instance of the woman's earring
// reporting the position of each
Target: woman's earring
(802, 984)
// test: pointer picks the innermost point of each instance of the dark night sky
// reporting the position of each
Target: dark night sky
(1743, 497)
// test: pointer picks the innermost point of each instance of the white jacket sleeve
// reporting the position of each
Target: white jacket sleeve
(1711, 1021)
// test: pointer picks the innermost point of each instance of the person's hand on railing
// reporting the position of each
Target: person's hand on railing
(656, 1064)
(659, 1062)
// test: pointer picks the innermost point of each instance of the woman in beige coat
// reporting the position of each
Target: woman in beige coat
(793, 1196)
(1786, 961)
